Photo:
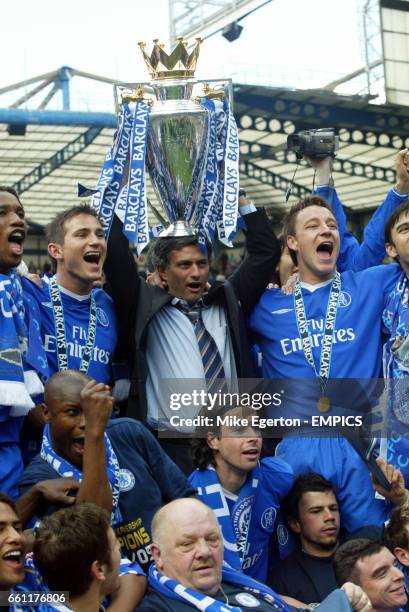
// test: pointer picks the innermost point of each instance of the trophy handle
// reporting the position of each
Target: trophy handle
(139, 90)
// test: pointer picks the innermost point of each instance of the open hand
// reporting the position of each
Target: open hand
(56, 490)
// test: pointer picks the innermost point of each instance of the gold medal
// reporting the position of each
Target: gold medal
(323, 404)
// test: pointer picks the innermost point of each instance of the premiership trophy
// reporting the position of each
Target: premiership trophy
(182, 131)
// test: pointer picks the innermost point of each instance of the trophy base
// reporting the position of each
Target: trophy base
(178, 229)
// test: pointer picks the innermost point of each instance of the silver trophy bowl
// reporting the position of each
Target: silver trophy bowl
(176, 149)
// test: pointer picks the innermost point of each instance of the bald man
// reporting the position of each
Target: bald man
(122, 455)
(72, 400)
(187, 575)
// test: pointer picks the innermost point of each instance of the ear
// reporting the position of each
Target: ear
(294, 525)
(55, 250)
(213, 441)
(46, 412)
(97, 571)
(402, 555)
(390, 249)
(156, 556)
(292, 242)
(163, 274)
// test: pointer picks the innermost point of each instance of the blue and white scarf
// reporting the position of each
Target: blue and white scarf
(21, 350)
(396, 349)
(66, 470)
(235, 525)
(174, 590)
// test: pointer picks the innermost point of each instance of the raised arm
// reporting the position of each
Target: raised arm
(123, 285)
(263, 254)
(96, 403)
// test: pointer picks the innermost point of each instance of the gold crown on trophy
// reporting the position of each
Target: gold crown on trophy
(178, 65)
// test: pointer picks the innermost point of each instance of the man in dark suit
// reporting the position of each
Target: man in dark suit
(159, 325)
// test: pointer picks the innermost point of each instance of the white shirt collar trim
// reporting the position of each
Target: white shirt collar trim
(315, 287)
(80, 298)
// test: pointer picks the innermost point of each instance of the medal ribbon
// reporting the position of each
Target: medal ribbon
(329, 329)
(60, 335)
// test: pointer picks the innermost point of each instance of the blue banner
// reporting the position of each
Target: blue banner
(136, 227)
(231, 180)
(208, 195)
(104, 197)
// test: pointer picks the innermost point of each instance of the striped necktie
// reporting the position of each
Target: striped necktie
(211, 358)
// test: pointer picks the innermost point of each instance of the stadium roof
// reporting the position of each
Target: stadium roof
(44, 153)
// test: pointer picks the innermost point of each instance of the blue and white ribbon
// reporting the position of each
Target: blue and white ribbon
(120, 158)
(207, 200)
(136, 226)
(104, 197)
(230, 143)
(221, 127)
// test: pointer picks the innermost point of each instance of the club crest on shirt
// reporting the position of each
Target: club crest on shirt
(247, 600)
(268, 518)
(282, 534)
(344, 299)
(126, 480)
(102, 317)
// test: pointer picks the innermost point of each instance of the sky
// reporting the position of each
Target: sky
(290, 41)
